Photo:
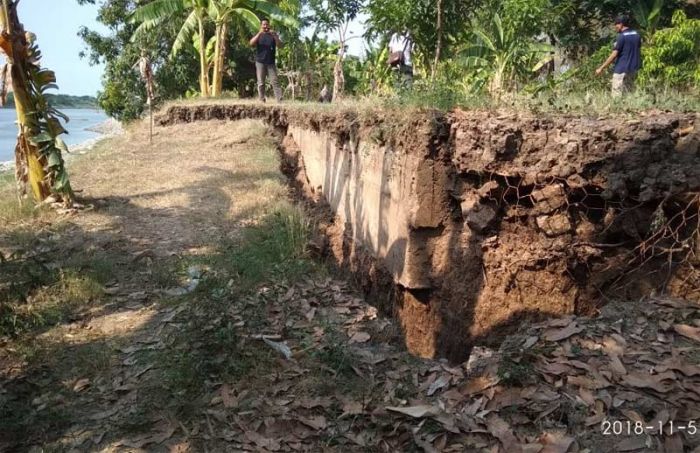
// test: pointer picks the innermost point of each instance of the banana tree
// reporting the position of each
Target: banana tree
(647, 13)
(501, 58)
(373, 74)
(317, 56)
(223, 13)
(38, 159)
(158, 12)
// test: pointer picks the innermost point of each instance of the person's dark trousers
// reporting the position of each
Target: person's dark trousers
(403, 76)
(262, 70)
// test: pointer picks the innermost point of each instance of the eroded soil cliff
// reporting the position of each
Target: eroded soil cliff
(506, 217)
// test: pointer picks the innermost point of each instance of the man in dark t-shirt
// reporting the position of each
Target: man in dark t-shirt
(266, 43)
(627, 56)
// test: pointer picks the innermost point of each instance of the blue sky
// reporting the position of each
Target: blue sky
(56, 24)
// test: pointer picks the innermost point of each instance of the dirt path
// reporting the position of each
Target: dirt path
(130, 364)
(181, 312)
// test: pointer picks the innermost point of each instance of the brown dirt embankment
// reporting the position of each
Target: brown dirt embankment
(483, 220)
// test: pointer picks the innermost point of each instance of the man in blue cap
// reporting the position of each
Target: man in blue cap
(627, 56)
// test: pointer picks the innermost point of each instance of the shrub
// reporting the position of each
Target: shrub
(672, 57)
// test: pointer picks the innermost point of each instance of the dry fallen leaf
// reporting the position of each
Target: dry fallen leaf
(360, 337)
(555, 442)
(442, 382)
(416, 411)
(503, 432)
(319, 422)
(562, 334)
(478, 385)
(633, 415)
(530, 342)
(586, 396)
(616, 365)
(262, 441)
(81, 384)
(226, 396)
(587, 382)
(426, 446)
(688, 331)
(641, 380)
(352, 408)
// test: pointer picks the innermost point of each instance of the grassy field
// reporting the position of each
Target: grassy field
(592, 103)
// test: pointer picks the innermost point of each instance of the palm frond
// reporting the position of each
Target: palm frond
(185, 33)
(270, 10)
(154, 12)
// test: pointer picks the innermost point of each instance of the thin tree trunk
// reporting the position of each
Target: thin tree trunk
(217, 50)
(338, 79)
(203, 66)
(309, 85)
(338, 76)
(551, 65)
(219, 58)
(438, 44)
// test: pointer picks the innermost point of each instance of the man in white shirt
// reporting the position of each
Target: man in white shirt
(400, 49)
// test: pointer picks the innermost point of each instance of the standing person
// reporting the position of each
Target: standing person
(266, 43)
(627, 56)
(400, 49)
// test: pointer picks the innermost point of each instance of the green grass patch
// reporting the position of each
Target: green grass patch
(42, 284)
(276, 247)
(272, 250)
(446, 96)
(12, 211)
(209, 347)
(58, 296)
(585, 103)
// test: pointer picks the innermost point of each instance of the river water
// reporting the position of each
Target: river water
(80, 119)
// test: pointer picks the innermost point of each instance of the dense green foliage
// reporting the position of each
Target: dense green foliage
(672, 58)
(124, 94)
(502, 49)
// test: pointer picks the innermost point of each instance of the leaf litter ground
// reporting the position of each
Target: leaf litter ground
(212, 334)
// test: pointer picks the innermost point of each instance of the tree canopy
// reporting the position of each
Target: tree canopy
(466, 47)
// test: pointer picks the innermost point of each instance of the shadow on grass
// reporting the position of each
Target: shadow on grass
(40, 403)
(56, 385)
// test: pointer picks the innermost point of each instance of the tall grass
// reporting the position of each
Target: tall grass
(277, 245)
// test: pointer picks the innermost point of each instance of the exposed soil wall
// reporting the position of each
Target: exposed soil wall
(476, 221)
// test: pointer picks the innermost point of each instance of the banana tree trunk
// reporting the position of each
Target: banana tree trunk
(438, 45)
(219, 58)
(30, 163)
(203, 67)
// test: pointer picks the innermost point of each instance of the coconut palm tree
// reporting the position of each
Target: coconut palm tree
(38, 159)
(157, 12)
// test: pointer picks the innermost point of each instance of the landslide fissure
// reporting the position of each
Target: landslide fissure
(465, 224)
